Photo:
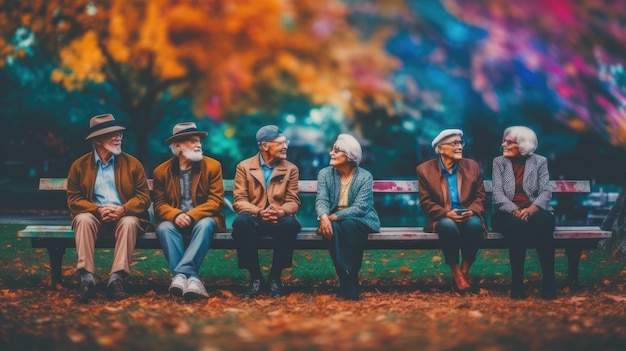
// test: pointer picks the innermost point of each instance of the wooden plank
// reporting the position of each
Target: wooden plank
(379, 186)
(308, 233)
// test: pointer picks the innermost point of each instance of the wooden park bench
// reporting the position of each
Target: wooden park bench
(57, 238)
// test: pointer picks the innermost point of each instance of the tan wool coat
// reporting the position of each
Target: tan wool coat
(250, 194)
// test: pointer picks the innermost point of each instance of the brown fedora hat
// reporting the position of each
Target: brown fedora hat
(185, 130)
(102, 124)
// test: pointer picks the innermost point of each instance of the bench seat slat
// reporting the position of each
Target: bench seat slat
(308, 233)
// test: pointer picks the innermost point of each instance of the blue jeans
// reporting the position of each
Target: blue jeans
(173, 243)
(465, 236)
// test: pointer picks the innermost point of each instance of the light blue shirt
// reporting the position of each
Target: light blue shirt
(453, 185)
(105, 191)
(267, 171)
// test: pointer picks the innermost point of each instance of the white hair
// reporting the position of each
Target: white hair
(525, 137)
(351, 147)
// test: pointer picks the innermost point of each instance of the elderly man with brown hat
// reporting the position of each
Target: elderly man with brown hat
(266, 200)
(188, 197)
(108, 196)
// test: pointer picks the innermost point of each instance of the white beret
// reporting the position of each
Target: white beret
(444, 134)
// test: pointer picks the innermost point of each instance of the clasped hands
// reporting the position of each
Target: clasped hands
(111, 213)
(525, 213)
(271, 214)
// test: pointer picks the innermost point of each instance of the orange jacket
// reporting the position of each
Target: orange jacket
(207, 191)
(130, 180)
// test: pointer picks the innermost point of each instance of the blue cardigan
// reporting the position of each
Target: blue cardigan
(360, 197)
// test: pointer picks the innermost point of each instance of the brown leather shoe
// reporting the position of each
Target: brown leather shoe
(115, 290)
(86, 291)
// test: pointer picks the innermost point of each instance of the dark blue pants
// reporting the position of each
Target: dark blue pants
(520, 235)
(465, 236)
(347, 245)
(247, 232)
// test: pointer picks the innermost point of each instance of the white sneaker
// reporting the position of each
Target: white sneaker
(195, 289)
(178, 285)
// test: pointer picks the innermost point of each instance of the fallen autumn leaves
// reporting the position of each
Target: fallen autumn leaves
(312, 318)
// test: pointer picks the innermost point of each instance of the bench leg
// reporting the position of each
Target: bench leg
(573, 260)
(56, 260)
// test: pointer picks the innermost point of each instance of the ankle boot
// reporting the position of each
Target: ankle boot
(353, 290)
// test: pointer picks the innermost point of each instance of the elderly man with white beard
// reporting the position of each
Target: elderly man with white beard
(188, 198)
(107, 195)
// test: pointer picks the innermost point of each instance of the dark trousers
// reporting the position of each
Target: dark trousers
(347, 245)
(247, 232)
(521, 235)
(464, 236)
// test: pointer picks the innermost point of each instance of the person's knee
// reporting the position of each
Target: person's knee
(446, 226)
(130, 223)
(165, 229)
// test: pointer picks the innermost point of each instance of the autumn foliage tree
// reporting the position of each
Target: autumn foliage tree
(232, 56)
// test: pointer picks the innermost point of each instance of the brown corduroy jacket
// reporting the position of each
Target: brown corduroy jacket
(130, 180)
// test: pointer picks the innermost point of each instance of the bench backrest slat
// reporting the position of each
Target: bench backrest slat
(379, 186)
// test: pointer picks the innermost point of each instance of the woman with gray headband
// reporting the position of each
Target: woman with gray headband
(345, 207)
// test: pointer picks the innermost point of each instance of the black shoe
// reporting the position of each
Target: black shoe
(517, 291)
(115, 290)
(353, 290)
(86, 291)
(465, 291)
(276, 287)
(256, 286)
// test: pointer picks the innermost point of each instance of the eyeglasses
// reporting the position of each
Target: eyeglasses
(284, 142)
(335, 149)
(508, 142)
(116, 135)
(455, 143)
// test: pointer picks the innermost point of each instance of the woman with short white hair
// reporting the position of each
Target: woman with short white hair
(345, 207)
(521, 205)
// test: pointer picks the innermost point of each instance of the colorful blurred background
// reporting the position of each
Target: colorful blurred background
(391, 72)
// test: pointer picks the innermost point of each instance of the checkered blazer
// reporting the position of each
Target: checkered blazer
(536, 183)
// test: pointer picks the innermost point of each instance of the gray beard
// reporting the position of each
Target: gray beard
(193, 156)
(114, 150)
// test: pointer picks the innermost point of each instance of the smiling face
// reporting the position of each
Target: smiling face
(338, 157)
(110, 143)
(451, 148)
(275, 150)
(510, 147)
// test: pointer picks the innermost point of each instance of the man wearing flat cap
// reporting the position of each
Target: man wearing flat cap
(107, 195)
(266, 200)
(188, 198)
(452, 195)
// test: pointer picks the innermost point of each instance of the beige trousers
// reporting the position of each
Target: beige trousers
(87, 227)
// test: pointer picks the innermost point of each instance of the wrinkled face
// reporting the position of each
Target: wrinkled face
(510, 148)
(111, 142)
(338, 156)
(451, 148)
(190, 148)
(276, 149)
